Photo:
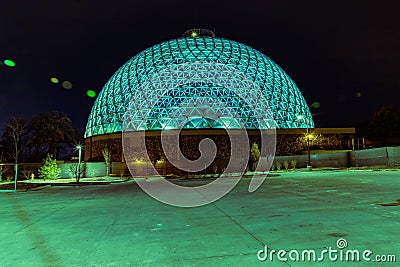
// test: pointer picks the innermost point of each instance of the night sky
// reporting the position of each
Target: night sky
(344, 54)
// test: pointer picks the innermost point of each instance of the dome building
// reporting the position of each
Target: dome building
(285, 101)
(283, 96)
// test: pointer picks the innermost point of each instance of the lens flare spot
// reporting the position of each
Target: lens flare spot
(91, 93)
(9, 62)
(67, 84)
(54, 80)
(315, 105)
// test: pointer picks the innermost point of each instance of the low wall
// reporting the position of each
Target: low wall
(338, 160)
(25, 170)
(91, 169)
(119, 169)
(393, 156)
(370, 157)
(387, 156)
(384, 156)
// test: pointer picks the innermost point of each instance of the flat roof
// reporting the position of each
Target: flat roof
(222, 131)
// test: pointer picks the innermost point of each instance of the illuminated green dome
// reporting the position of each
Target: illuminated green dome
(284, 99)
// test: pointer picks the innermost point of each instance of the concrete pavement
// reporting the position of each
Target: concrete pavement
(119, 225)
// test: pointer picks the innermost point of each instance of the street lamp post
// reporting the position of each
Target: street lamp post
(308, 150)
(308, 141)
(79, 148)
(300, 116)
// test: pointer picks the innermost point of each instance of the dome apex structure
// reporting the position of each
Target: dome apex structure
(285, 101)
(198, 33)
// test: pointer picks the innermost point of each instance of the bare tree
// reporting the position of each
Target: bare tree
(106, 155)
(77, 170)
(15, 139)
(28, 173)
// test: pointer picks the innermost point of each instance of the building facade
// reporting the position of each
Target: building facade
(204, 85)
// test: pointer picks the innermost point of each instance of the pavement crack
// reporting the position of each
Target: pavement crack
(243, 228)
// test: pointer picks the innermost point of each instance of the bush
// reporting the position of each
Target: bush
(278, 166)
(254, 152)
(286, 165)
(27, 173)
(254, 156)
(273, 167)
(294, 162)
(49, 170)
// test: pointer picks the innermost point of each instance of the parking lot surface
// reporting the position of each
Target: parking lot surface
(120, 225)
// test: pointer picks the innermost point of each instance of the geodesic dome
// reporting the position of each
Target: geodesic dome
(284, 99)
